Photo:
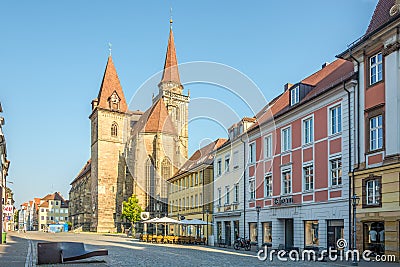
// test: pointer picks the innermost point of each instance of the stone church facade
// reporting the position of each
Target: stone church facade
(132, 152)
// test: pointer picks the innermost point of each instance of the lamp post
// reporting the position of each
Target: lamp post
(207, 212)
(258, 209)
(355, 201)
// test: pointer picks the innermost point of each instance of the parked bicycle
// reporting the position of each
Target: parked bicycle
(242, 243)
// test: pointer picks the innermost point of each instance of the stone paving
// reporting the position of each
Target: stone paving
(21, 251)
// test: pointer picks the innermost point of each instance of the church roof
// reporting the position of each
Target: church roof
(381, 15)
(171, 72)
(83, 171)
(109, 85)
(158, 119)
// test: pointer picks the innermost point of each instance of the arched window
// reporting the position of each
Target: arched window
(165, 174)
(114, 129)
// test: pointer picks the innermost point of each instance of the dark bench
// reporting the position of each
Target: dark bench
(59, 252)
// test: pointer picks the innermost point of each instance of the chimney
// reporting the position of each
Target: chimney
(324, 65)
(287, 86)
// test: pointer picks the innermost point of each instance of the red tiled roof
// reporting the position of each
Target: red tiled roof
(83, 171)
(155, 120)
(381, 15)
(110, 84)
(171, 72)
(54, 196)
(44, 204)
(201, 156)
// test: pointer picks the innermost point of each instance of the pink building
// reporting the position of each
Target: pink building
(298, 155)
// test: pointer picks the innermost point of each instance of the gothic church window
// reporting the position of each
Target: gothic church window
(114, 129)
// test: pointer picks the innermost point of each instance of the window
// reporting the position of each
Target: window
(41, 210)
(267, 232)
(294, 96)
(114, 129)
(268, 185)
(191, 201)
(197, 178)
(308, 131)
(308, 174)
(311, 233)
(56, 203)
(374, 236)
(219, 197)
(376, 133)
(335, 119)
(178, 114)
(375, 68)
(227, 200)
(252, 151)
(336, 171)
(201, 199)
(236, 193)
(268, 146)
(196, 201)
(42, 218)
(253, 231)
(236, 159)
(219, 167)
(372, 191)
(286, 136)
(227, 159)
(286, 182)
(252, 189)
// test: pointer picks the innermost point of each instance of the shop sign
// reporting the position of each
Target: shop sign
(283, 200)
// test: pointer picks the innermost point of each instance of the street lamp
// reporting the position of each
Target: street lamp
(355, 201)
(207, 212)
(258, 208)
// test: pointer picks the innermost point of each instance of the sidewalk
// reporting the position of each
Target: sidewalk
(15, 251)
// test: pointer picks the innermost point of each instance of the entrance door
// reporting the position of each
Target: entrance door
(335, 232)
(288, 233)
(228, 233)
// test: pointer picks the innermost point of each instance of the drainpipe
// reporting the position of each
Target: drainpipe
(356, 111)
(350, 156)
(244, 186)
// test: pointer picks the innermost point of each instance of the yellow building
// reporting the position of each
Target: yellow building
(376, 172)
(53, 209)
(190, 191)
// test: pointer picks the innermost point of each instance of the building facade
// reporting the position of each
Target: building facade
(4, 166)
(132, 152)
(228, 214)
(376, 172)
(298, 160)
(190, 191)
(53, 209)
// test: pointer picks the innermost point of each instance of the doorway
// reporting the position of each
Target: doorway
(228, 233)
(335, 232)
(288, 233)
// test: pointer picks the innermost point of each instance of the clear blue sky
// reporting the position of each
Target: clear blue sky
(54, 53)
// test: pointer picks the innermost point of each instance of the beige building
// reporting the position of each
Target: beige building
(190, 191)
(376, 173)
(132, 152)
(53, 209)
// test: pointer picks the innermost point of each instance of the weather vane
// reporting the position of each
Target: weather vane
(170, 16)
(109, 47)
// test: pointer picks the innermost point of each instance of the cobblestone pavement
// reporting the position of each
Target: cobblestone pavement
(129, 252)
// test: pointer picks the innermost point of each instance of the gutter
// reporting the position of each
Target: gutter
(244, 186)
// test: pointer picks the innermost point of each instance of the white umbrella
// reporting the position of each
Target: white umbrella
(154, 220)
(165, 221)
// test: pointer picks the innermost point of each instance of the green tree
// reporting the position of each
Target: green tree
(131, 211)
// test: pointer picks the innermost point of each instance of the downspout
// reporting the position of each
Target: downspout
(350, 156)
(244, 186)
(356, 111)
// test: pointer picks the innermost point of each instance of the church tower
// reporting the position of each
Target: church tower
(171, 91)
(109, 111)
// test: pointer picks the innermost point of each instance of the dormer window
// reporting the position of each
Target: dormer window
(294, 96)
(113, 101)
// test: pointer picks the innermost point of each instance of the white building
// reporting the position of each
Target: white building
(229, 187)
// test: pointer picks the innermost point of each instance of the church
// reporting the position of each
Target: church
(132, 152)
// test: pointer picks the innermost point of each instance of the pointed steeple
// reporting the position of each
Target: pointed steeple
(111, 95)
(171, 72)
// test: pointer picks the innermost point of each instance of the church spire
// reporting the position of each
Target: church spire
(111, 95)
(171, 72)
